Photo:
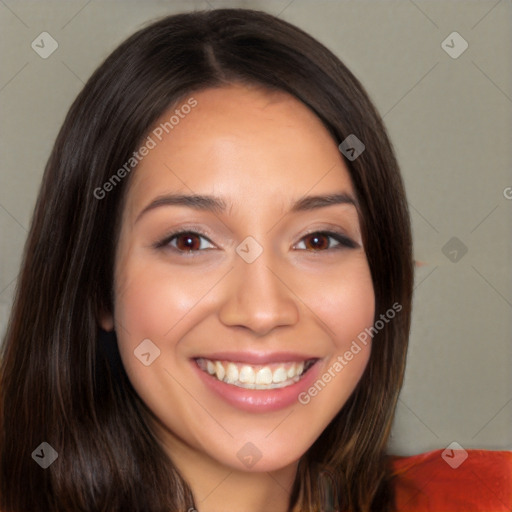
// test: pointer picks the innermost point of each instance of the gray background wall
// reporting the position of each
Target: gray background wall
(451, 124)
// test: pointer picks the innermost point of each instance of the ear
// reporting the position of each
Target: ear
(106, 321)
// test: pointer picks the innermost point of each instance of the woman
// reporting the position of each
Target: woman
(215, 298)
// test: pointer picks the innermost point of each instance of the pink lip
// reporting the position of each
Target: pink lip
(259, 400)
(256, 357)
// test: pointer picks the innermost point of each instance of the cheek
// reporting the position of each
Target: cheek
(345, 302)
(352, 310)
(154, 301)
(345, 305)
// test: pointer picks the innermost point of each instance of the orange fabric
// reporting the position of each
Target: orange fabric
(428, 482)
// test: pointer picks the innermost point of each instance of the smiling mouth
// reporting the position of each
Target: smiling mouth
(250, 376)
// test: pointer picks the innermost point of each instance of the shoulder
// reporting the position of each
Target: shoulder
(453, 481)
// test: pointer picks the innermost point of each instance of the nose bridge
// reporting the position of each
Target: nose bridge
(257, 297)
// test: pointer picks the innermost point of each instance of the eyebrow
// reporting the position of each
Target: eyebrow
(218, 205)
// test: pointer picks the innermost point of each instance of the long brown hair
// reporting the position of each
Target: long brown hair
(61, 378)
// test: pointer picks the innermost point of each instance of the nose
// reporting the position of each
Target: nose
(258, 298)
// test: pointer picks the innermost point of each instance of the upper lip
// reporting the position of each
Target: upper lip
(257, 358)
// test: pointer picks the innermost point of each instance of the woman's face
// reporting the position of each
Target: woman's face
(268, 276)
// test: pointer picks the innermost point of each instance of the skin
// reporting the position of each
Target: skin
(260, 151)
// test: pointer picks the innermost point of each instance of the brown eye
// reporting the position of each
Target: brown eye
(188, 242)
(316, 241)
(325, 241)
(185, 242)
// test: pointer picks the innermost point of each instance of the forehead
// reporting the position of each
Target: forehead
(241, 142)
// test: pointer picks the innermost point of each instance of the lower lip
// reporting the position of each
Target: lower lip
(260, 400)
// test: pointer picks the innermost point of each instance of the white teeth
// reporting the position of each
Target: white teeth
(232, 373)
(280, 375)
(219, 369)
(264, 376)
(272, 376)
(247, 375)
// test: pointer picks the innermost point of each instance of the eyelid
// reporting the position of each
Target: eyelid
(165, 242)
(344, 241)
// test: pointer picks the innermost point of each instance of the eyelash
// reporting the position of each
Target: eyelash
(343, 241)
